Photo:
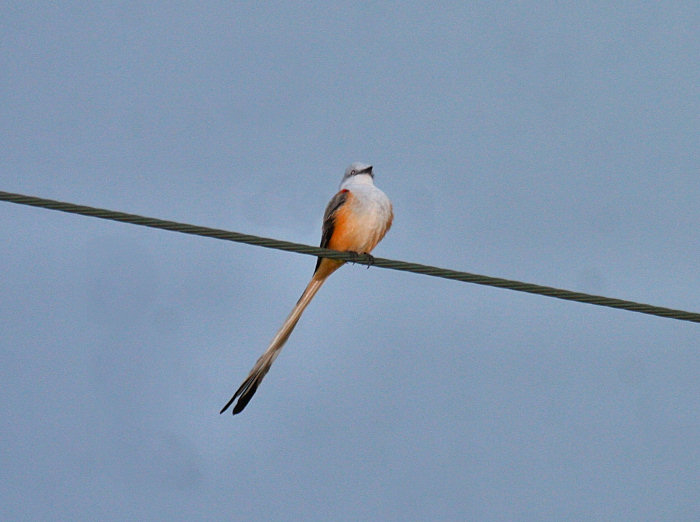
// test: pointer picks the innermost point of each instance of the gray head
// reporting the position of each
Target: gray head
(357, 169)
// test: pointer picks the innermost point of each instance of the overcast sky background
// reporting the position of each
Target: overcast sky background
(550, 142)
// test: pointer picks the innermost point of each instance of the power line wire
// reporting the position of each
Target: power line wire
(364, 259)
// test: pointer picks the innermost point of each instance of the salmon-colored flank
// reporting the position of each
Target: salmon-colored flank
(342, 221)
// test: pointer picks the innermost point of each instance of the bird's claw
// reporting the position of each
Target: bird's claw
(366, 258)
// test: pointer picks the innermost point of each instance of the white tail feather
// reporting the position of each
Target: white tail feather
(251, 383)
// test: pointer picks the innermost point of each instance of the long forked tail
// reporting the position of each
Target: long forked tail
(251, 383)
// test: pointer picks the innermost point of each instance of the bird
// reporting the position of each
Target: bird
(356, 219)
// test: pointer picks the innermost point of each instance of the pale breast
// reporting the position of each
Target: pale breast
(373, 215)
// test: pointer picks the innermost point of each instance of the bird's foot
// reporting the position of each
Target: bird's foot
(356, 256)
(365, 258)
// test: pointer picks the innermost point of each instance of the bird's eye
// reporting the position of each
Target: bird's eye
(353, 172)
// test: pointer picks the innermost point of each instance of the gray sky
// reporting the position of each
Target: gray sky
(550, 142)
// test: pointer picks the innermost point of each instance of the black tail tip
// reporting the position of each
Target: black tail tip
(242, 402)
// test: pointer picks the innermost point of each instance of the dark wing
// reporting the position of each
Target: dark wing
(329, 219)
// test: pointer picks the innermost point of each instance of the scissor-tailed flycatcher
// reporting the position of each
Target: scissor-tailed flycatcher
(356, 219)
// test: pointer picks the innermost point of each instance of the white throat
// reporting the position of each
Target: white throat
(359, 179)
